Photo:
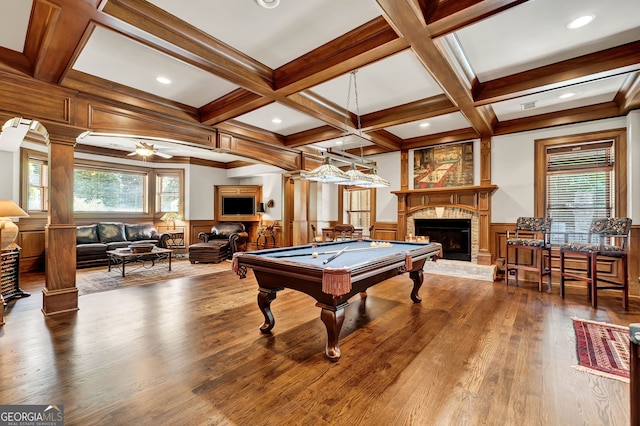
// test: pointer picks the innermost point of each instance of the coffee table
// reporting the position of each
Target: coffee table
(119, 258)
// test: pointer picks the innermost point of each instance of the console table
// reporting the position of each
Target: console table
(264, 234)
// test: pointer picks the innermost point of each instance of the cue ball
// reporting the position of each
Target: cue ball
(314, 255)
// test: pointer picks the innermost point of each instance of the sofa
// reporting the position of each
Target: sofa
(93, 241)
(224, 239)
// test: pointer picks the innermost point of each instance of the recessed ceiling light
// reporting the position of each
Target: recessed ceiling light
(580, 22)
(567, 95)
(424, 124)
(268, 4)
(276, 121)
(163, 80)
(339, 142)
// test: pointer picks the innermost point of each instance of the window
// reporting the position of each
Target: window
(580, 175)
(358, 204)
(101, 187)
(99, 190)
(38, 185)
(168, 191)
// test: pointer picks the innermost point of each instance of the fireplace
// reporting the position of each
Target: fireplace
(453, 234)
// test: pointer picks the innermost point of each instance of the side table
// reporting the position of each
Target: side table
(264, 234)
(176, 237)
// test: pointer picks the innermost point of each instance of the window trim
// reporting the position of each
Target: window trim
(619, 137)
(25, 155)
(149, 213)
(160, 173)
(372, 202)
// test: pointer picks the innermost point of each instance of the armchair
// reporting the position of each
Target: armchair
(234, 232)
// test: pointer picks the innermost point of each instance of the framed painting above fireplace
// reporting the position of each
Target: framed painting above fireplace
(442, 166)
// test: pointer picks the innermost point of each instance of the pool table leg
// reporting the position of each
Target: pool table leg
(333, 319)
(265, 296)
(417, 278)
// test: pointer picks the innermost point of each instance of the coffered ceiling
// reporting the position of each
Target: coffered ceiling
(428, 71)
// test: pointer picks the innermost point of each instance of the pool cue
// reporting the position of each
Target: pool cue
(334, 256)
(323, 252)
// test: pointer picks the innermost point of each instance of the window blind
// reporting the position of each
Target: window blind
(580, 182)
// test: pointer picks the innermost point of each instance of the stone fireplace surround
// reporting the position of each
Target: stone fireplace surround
(447, 213)
(473, 202)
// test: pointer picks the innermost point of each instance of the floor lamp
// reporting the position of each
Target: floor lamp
(8, 229)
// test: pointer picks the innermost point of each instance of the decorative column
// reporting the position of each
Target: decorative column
(484, 203)
(401, 232)
(60, 293)
(300, 223)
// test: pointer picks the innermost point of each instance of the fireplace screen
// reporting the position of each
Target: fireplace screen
(453, 234)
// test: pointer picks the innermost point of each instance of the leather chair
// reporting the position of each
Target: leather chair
(532, 234)
(607, 240)
(224, 239)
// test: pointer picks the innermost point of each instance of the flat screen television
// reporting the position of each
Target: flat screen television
(238, 206)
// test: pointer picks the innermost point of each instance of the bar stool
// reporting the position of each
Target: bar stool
(537, 230)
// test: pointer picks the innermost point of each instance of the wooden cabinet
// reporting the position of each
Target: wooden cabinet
(251, 194)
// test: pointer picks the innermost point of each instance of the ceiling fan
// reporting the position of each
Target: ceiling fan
(145, 150)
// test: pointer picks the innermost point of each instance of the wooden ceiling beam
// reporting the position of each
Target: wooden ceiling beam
(252, 133)
(413, 111)
(231, 105)
(319, 134)
(55, 31)
(594, 66)
(559, 118)
(440, 138)
(629, 95)
(409, 22)
(366, 44)
(15, 62)
(445, 17)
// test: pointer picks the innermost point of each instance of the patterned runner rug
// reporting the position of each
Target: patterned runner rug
(603, 349)
(93, 280)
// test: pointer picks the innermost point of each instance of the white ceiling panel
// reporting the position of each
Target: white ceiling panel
(273, 36)
(513, 41)
(111, 56)
(14, 21)
(442, 123)
(583, 94)
(280, 119)
(398, 79)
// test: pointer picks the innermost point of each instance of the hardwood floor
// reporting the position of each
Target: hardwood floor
(189, 352)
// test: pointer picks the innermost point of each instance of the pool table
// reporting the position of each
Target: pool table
(358, 267)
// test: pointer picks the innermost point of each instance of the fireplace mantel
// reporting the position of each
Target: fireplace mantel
(474, 198)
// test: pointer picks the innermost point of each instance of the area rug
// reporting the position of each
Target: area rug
(93, 280)
(603, 349)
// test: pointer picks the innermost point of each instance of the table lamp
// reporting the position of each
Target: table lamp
(170, 218)
(8, 229)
